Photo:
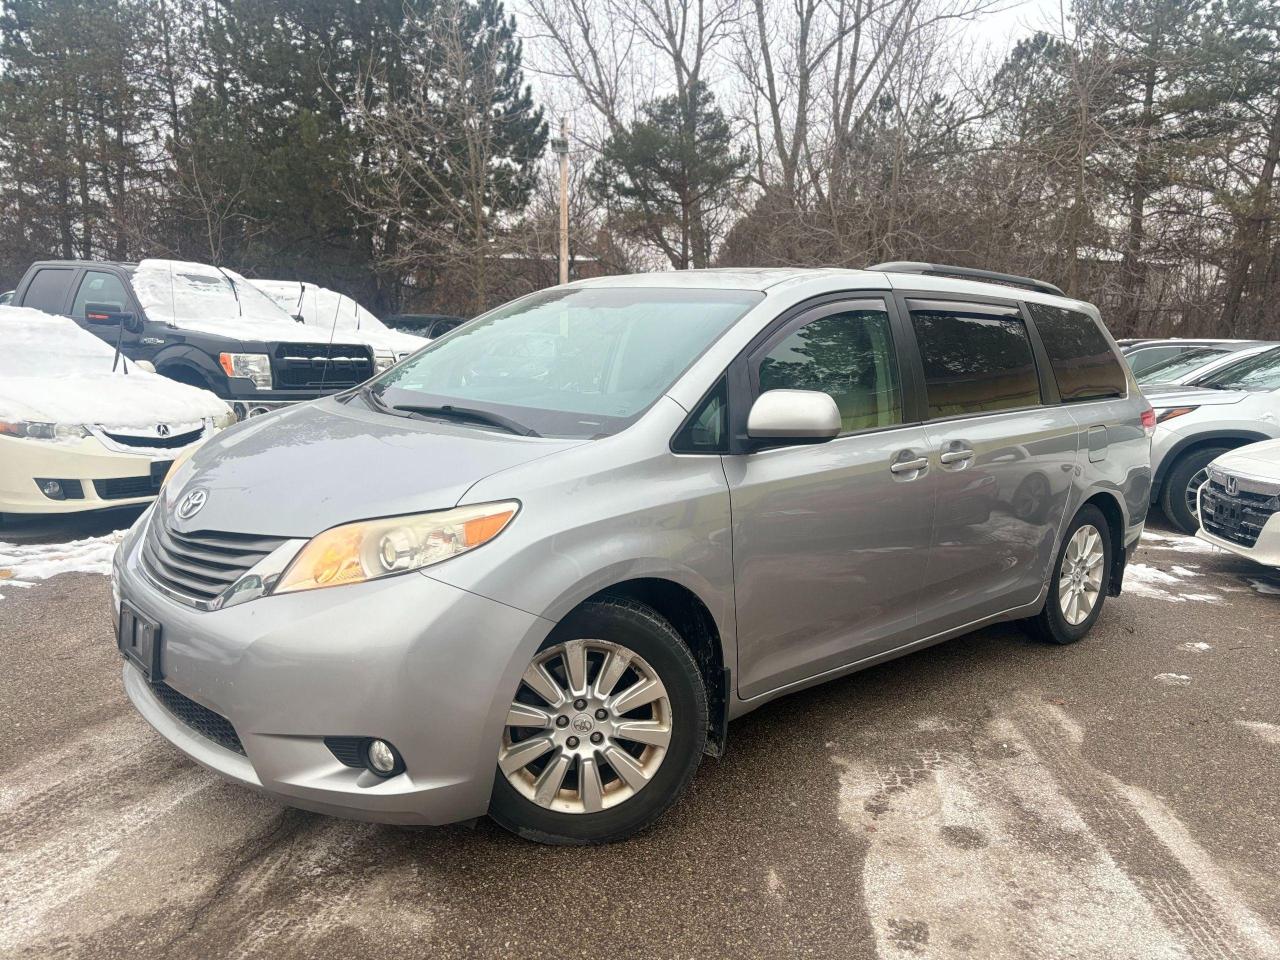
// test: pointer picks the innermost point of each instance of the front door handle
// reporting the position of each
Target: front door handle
(909, 466)
(956, 456)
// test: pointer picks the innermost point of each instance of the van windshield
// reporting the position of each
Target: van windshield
(568, 362)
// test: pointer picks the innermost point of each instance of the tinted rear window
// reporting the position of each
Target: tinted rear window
(974, 361)
(1083, 363)
(48, 290)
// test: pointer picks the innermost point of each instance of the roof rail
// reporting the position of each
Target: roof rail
(966, 273)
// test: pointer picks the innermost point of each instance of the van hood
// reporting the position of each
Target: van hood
(315, 465)
(1172, 395)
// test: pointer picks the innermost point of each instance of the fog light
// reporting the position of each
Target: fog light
(382, 757)
(52, 489)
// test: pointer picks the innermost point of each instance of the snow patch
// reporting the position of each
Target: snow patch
(1173, 679)
(1198, 647)
(20, 564)
(1177, 543)
(1144, 580)
(1269, 732)
(1262, 586)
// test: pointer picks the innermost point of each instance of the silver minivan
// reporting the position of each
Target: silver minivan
(535, 569)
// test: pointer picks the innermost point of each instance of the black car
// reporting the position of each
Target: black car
(199, 325)
(429, 325)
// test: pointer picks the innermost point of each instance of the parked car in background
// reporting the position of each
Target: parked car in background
(1146, 353)
(539, 581)
(1232, 407)
(6, 298)
(80, 427)
(1240, 502)
(330, 313)
(1189, 367)
(200, 325)
(429, 325)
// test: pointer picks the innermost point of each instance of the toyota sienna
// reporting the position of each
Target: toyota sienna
(535, 569)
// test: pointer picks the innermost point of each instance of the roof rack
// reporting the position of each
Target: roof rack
(966, 273)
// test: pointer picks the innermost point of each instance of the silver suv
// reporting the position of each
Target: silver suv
(535, 569)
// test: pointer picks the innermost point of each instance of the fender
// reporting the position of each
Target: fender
(1242, 436)
(190, 358)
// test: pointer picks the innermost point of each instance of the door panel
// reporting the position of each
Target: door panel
(828, 549)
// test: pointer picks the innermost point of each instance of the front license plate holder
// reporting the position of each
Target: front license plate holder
(139, 640)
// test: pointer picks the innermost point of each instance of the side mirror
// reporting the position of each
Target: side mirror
(110, 314)
(793, 416)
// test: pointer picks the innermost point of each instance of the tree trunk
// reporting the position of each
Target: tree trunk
(1132, 269)
(1245, 250)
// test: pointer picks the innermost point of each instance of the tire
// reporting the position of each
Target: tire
(1056, 623)
(1185, 473)
(609, 806)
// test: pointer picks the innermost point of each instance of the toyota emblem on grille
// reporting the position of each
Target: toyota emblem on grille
(162, 429)
(192, 503)
(1232, 485)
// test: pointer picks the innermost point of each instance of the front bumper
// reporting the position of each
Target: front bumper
(105, 478)
(1265, 550)
(423, 665)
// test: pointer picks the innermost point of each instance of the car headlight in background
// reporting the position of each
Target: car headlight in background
(35, 430)
(178, 461)
(383, 360)
(370, 549)
(251, 366)
(1170, 412)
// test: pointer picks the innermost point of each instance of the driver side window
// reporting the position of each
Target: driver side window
(103, 290)
(847, 355)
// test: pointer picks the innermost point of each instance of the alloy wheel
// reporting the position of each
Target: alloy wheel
(588, 729)
(1080, 578)
(1198, 479)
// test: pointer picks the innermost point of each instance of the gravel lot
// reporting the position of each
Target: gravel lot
(988, 798)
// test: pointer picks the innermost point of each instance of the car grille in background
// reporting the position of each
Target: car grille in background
(123, 488)
(316, 365)
(200, 565)
(210, 725)
(156, 443)
(1239, 517)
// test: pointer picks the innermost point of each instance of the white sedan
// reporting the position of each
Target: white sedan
(1240, 502)
(83, 429)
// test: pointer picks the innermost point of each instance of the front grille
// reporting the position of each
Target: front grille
(210, 725)
(1237, 518)
(319, 365)
(200, 565)
(158, 443)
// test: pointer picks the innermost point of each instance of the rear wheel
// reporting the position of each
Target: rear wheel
(1181, 486)
(605, 731)
(1081, 576)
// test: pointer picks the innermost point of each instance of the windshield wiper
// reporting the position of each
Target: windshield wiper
(450, 412)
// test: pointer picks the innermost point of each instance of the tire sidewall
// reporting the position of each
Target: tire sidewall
(1056, 626)
(1173, 501)
(645, 633)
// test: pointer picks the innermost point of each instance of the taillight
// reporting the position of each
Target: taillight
(1149, 421)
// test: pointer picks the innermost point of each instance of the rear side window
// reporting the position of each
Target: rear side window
(48, 290)
(847, 355)
(976, 359)
(1083, 363)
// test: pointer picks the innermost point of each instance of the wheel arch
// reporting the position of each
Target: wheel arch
(1212, 438)
(1109, 504)
(692, 619)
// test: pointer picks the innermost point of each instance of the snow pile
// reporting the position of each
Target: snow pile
(22, 564)
(196, 296)
(53, 371)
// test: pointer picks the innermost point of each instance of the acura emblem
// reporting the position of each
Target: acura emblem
(162, 429)
(191, 504)
(1232, 485)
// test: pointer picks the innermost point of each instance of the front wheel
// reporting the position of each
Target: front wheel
(605, 731)
(1081, 576)
(1180, 498)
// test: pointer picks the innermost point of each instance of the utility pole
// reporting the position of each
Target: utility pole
(561, 146)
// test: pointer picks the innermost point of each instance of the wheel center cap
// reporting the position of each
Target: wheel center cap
(583, 723)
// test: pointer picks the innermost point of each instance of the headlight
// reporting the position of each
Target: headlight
(383, 360)
(1170, 412)
(178, 461)
(251, 366)
(370, 549)
(35, 430)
